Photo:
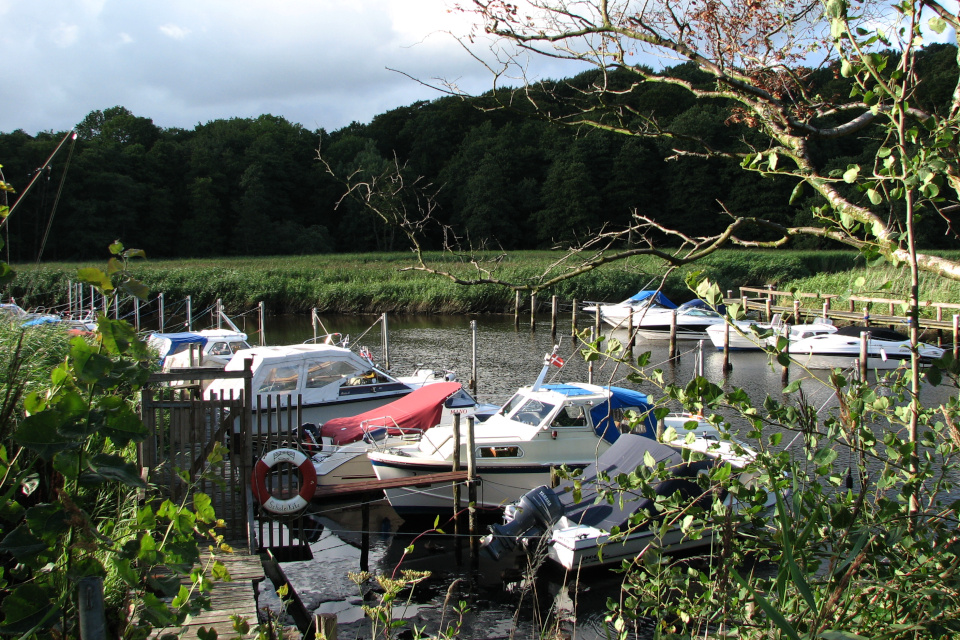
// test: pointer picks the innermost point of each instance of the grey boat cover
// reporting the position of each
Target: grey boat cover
(624, 456)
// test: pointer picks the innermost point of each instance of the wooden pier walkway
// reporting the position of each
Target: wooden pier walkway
(227, 599)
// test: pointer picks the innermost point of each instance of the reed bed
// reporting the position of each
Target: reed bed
(375, 283)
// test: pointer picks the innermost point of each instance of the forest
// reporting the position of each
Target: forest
(502, 177)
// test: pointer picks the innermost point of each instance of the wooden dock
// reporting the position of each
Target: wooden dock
(237, 597)
(374, 486)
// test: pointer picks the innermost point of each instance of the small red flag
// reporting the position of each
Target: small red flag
(556, 360)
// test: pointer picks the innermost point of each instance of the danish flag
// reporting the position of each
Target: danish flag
(365, 353)
(556, 360)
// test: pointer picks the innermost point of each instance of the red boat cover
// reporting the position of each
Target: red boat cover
(418, 410)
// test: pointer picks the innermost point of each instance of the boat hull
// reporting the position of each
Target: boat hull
(499, 484)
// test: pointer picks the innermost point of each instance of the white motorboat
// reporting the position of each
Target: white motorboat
(616, 314)
(540, 428)
(338, 448)
(588, 532)
(327, 381)
(203, 348)
(745, 335)
(886, 349)
(692, 320)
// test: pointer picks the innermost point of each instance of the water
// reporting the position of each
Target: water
(501, 603)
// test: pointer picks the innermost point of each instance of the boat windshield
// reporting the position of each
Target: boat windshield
(533, 412)
(512, 404)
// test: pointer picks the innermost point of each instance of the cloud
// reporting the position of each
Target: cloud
(322, 63)
(173, 31)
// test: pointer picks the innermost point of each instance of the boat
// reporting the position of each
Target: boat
(616, 314)
(886, 349)
(203, 348)
(338, 448)
(581, 531)
(541, 428)
(692, 320)
(750, 335)
(323, 380)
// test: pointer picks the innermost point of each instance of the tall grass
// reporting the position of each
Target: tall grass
(373, 283)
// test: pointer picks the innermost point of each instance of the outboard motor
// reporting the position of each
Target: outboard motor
(537, 509)
(308, 435)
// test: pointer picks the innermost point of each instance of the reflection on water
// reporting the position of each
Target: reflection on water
(501, 602)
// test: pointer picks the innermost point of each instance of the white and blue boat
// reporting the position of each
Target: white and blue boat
(542, 427)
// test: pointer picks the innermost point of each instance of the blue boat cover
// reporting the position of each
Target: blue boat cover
(177, 339)
(697, 303)
(620, 398)
(42, 320)
(658, 298)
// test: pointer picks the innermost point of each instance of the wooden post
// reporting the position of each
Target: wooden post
(326, 624)
(219, 313)
(136, 313)
(365, 536)
(866, 315)
(785, 372)
(864, 354)
(573, 319)
(630, 333)
(313, 323)
(700, 364)
(533, 312)
(744, 302)
(70, 299)
(473, 357)
(852, 306)
(189, 313)
(263, 322)
(516, 310)
(590, 363)
(553, 316)
(826, 309)
(162, 322)
(672, 351)
(796, 312)
(768, 306)
(726, 347)
(939, 329)
(472, 476)
(456, 467)
(956, 335)
(93, 621)
(386, 340)
(116, 308)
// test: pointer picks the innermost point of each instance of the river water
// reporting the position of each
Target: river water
(501, 602)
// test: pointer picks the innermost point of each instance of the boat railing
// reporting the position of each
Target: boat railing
(335, 339)
(370, 429)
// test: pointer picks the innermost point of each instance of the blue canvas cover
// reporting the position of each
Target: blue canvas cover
(658, 299)
(177, 339)
(697, 303)
(621, 398)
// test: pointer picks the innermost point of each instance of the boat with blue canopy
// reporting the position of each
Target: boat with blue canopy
(542, 427)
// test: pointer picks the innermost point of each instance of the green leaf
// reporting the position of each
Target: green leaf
(796, 193)
(793, 387)
(40, 432)
(125, 570)
(135, 288)
(146, 519)
(148, 549)
(86, 567)
(874, 196)
(115, 248)
(117, 335)
(48, 520)
(203, 507)
(937, 24)
(648, 460)
(220, 572)
(29, 606)
(114, 467)
(96, 278)
(850, 175)
(22, 544)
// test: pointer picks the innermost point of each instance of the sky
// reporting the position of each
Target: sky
(319, 63)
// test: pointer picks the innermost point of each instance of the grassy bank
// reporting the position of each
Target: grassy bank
(372, 283)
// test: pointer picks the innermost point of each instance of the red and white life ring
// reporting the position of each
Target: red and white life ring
(308, 481)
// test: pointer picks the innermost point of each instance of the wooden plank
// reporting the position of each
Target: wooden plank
(351, 488)
(237, 597)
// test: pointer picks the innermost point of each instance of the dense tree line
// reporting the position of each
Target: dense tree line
(504, 179)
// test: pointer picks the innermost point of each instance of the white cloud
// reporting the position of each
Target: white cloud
(174, 31)
(65, 35)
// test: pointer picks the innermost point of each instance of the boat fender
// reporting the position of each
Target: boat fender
(308, 481)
